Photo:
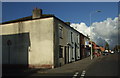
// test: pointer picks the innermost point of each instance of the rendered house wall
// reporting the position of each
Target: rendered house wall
(31, 41)
(69, 52)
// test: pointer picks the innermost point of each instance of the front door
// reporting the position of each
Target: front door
(65, 57)
(75, 51)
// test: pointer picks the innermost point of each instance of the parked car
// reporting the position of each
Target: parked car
(112, 52)
(105, 53)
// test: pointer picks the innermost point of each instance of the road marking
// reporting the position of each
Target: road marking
(75, 75)
(83, 74)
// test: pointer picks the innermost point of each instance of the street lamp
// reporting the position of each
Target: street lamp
(91, 33)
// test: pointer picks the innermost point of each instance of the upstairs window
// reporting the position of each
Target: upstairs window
(60, 31)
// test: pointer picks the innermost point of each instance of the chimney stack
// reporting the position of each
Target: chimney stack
(37, 13)
(68, 23)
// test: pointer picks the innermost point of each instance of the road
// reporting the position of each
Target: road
(99, 67)
(104, 67)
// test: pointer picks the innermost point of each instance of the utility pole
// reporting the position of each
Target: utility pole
(91, 33)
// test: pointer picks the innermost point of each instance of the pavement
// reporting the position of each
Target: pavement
(68, 69)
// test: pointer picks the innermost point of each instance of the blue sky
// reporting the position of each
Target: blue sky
(74, 12)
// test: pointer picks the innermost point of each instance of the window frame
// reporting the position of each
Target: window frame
(60, 51)
(71, 35)
(60, 31)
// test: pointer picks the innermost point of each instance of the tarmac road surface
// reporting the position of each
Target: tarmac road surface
(104, 67)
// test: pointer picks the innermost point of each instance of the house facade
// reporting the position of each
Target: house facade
(39, 41)
(87, 47)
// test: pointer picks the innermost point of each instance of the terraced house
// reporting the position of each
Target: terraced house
(40, 40)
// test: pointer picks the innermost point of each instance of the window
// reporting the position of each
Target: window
(78, 38)
(60, 51)
(60, 31)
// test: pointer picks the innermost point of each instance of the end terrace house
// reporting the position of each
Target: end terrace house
(39, 41)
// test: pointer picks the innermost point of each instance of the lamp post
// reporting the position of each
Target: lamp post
(91, 33)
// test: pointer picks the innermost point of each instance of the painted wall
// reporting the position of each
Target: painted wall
(82, 45)
(74, 45)
(41, 50)
(15, 43)
(37, 45)
(37, 42)
(60, 42)
(68, 47)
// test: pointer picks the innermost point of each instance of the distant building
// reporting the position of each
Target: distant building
(97, 50)
(39, 41)
(85, 46)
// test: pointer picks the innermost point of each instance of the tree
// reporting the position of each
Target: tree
(106, 46)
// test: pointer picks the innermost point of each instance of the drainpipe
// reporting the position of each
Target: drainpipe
(9, 43)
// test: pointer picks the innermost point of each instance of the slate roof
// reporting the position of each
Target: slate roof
(28, 18)
(43, 16)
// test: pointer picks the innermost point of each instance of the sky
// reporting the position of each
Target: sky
(103, 27)
(74, 12)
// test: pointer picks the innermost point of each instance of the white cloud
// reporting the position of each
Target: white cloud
(100, 32)
(82, 27)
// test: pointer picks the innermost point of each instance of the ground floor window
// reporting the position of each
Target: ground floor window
(60, 51)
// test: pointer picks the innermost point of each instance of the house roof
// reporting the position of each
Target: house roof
(43, 16)
(28, 18)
